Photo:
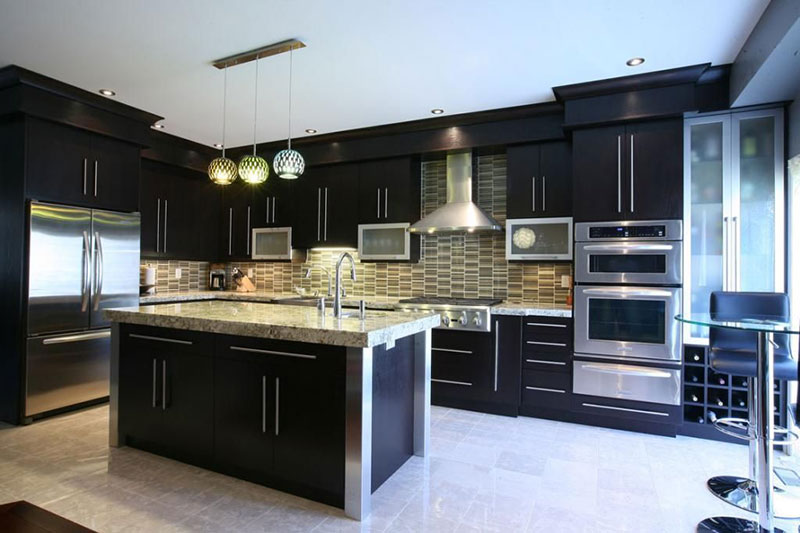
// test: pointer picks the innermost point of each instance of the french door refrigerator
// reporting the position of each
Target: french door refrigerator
(81, 261)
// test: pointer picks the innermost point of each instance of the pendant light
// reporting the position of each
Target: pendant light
(252, 168)
(289, 164)
(222, 170)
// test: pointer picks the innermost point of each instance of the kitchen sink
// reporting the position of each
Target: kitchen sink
(310, 301)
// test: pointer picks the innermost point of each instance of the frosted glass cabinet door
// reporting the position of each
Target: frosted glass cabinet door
(758, 215)
(707, 141)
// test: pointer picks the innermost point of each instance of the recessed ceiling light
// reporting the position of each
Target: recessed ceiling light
(634, 61)
(158, 126)
(107, 92)
(437, 111)
(311, 130)
(217, 145)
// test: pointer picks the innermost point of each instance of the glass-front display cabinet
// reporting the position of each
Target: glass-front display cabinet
(734, 207)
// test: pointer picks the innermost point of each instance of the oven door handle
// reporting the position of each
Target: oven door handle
(627, 371)
(627, 292)
(627, 247)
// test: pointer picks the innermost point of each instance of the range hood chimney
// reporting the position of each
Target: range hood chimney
(459, 214)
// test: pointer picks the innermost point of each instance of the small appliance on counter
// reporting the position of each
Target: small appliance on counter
(216, 279)
(148, 285)
(243, 283)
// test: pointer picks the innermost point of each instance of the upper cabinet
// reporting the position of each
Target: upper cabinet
(72, 166)
(628, 172)
(389, 191)
(273, 203)
(539, 180)
(237, 216)
(326, 207)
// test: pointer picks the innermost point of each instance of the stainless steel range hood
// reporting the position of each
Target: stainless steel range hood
(459, 213)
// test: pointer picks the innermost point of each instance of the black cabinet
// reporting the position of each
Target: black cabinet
(546, 367)
(180, 213)
(326, 203)
(539, 180)
(164, 404)
(237, 215)
(389, 191)
(72, 166)
(273, 203)
(631, 172)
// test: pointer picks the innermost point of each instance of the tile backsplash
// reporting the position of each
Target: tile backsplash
(458, 265)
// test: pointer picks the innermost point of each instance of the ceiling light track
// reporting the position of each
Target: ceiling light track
(258, 53)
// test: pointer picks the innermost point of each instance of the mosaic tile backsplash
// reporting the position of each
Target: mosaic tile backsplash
(459, 265)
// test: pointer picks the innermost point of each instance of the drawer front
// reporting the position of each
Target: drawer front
(627, 382)
(260, 350)
(546, 389)
(166, 339)
(547, 361)
(632, 411)
(536, 327)
(453, 367)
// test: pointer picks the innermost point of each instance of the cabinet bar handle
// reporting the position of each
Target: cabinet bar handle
(451, 350)
(736, 252)
(155, 371)
(533, 193)
(542, 362)
(319, 210)
(619, 174)
(267, 219)
(164, 248)
(545, 325)
(95, 178)
(272, 352)
(160, 339)
(163, 384)
(464, 383)
(325, 227)
(85, 165)
(378, 205)
(496, 350)
(626, 409)
(263, 404)
(542, 343)
(248, 230)
(230, 231)
(158, 224)
(544, 195)
(277, 406)
(386, 202)
(544, 389)
(631, 172)
(273, 209)
(726, 236)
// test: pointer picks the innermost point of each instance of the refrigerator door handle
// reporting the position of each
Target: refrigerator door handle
(98, 262)
(86, 273)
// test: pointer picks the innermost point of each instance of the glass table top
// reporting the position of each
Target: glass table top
(764, 323)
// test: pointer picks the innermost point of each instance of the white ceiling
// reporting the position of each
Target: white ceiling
(367, 62)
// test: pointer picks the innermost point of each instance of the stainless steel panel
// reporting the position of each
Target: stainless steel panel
(422, 393)
(627, 382)
(673, 230)
(552, 239)
(58, 272)
(358, 433)
(66, 370)
(672, 251)
(116, 242)
(670, 349)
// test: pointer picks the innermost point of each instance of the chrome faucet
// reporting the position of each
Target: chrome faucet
(327, 272)
(337, 297)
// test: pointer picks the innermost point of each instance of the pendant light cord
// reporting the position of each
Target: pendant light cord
(290, 98)
(224, 102)
(255, 110)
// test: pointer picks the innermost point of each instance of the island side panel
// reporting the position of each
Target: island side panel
(358, 433)
(422, 393)
(113, 395)
(392, 408)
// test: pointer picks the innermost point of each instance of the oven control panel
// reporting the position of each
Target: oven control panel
(626, 232)
(629, 230)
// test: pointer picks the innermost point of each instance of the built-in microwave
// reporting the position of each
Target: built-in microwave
(272, 243)
(387, 242)
(539, 239)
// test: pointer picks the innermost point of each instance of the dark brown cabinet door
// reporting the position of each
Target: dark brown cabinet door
(505, 363)
(152, 194)
(273, 204)
(236, 218)
(555, 169)
(598, 156)
(389, 191)
(59, 164)
(139, 393)
(522, 175)
(655, 170)
(326, 205)
(115, 174)
(539, 180)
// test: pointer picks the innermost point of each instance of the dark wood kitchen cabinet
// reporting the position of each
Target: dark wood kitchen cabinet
(539, 180)
(326, 203)
(628, 172)
(389, 191)
(164, 404)
(273, 203)
(237, 216)
(73, 166)
(546, 367)
(180, 213)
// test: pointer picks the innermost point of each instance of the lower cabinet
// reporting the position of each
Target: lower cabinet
(546, 367)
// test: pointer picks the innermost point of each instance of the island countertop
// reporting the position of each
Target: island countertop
(282, 322)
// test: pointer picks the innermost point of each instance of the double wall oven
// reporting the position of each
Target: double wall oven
(628, 290)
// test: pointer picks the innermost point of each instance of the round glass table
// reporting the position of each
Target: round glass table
(764, 327)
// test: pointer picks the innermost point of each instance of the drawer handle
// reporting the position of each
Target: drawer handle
(626, 409)
(543, 389)
(159, 339)
(558, 363)
(78, 338)
(545, 325)
(272, 352)
(540, 343)
(619, 370)
(464, 383)
(451, 350)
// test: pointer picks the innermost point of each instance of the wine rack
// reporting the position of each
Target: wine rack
(708, 395)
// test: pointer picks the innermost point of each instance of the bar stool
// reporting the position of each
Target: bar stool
(735, 352)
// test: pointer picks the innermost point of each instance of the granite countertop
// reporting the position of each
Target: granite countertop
(372, 302)
(275, 321)
(531, 309)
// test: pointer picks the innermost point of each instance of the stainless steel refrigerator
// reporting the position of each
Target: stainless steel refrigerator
(80, 262)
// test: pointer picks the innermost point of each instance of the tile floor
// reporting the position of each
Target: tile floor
(485, 473)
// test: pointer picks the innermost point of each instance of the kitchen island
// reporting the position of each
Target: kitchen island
(287, 396)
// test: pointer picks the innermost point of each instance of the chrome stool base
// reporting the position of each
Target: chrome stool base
(729, 524)
(742, 493)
